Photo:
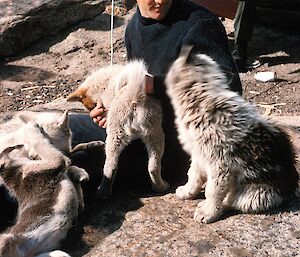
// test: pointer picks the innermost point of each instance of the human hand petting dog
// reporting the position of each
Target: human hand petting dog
(98, 114)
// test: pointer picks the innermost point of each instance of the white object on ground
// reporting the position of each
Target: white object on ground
(265, 76)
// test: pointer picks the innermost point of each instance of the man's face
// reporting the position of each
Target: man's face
(154, 9)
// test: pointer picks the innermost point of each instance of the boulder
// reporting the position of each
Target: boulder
(24, 22)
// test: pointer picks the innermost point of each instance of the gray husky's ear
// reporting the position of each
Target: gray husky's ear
(64, 120)
(185, 51)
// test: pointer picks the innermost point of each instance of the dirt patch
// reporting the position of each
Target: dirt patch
(54, 66)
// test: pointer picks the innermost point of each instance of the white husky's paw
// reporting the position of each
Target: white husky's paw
(161, 187)
(184, 192)
(206, 212)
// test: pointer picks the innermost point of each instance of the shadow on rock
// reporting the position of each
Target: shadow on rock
(101, 218)
(261, 43)
(22, 73)
(102, 23)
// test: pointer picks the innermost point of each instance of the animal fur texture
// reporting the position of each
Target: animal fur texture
(55, 127)
(247, 161)
(46, 196)
(131, 115)
(54, 124)
(45, 185)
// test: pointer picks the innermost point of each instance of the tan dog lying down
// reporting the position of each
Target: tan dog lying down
(132, 114)
(47, 197)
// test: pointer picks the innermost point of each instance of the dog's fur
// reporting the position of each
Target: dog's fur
(39, 175)
(131, 115)
(48, 202)
(55, 127)
(248, 161)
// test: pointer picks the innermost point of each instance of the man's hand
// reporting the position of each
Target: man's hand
(98, 114)
(149, 84)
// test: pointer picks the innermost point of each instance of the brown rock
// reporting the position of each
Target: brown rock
(24, 22)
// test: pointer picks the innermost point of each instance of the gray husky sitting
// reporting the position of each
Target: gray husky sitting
(247, 162)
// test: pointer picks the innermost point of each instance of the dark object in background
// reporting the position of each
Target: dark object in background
(279, 12)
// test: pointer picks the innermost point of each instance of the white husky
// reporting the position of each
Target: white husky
(131, 115)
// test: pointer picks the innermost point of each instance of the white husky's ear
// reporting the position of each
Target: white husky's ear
(5, 159)
(64, 120)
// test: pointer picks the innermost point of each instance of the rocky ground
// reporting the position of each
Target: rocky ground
(55, 65)
(136, 222)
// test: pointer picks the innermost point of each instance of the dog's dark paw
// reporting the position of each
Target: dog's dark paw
(102, 193)
(105, 188)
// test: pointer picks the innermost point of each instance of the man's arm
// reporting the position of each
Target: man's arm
(214, 43)
(224, 8)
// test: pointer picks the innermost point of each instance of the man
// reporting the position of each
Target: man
(160, 28)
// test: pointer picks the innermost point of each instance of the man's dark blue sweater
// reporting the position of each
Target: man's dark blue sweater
(158, 43)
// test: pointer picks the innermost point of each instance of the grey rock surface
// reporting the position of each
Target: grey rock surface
(25, 21)
(164, 226)
(139, 223)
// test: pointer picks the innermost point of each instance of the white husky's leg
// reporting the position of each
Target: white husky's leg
(155, 143)
(115, 143)
(89, 145)
(218, 183)
(78, 175)
(196, 179)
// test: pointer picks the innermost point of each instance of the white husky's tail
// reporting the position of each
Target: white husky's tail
(132, 80)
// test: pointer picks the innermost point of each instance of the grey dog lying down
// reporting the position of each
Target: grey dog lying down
(35, 168)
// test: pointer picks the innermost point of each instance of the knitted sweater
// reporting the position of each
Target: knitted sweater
(158, 43)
